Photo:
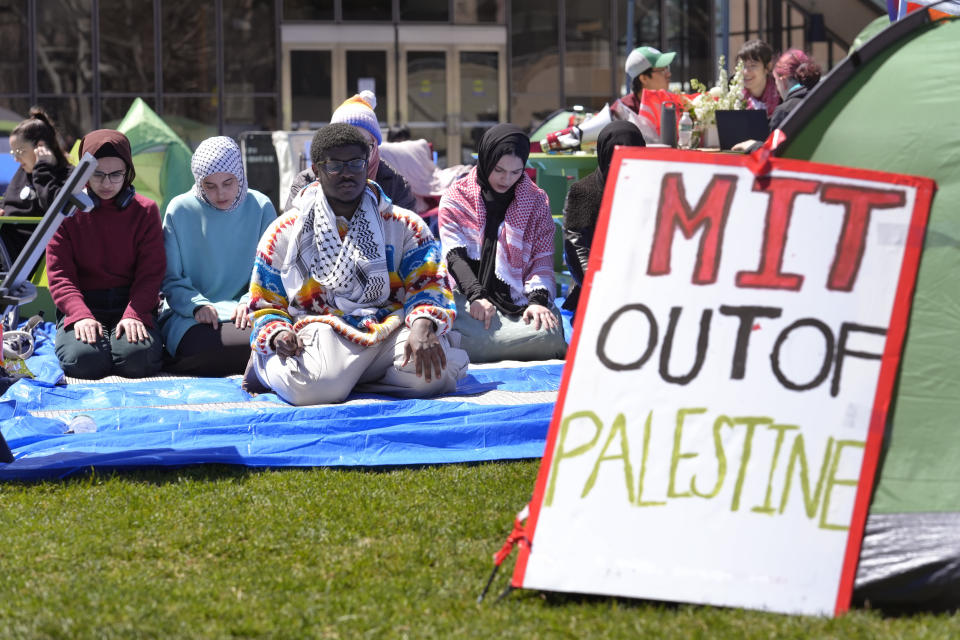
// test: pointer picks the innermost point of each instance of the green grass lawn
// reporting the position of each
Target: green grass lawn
(229, 552)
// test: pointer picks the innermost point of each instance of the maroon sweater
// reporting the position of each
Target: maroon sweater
(107, 248)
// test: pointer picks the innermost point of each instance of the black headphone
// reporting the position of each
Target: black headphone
(122, 199)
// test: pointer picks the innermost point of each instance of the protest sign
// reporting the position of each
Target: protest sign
(721, 414)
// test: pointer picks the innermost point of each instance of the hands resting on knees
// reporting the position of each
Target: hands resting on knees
(207, 314)
(540, 316)
(483, 310)
(423, 348)
(88, 330)
(287, 344)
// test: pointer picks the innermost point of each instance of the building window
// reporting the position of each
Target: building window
(204, 67)
(368, 70)
(587, 77)
(127, 58)
(368, 10)
(247, 33)
(427, 98)
(65, 64)
(479, 98)
(425, 10)
(14, 73)
(689, 33)
(478, 11)
(310, 87)
(308, 9)
(535, 64)
(189, 47)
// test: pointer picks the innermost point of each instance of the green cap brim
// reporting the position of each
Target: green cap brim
(665, 59)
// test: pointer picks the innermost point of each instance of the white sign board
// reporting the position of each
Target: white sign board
(719, 421)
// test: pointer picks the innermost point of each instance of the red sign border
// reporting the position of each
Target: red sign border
(890, 363)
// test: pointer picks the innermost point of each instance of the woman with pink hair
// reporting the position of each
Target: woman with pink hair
(795, 75)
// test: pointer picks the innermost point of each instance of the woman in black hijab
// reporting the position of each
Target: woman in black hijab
(496, 234)
(582, 207)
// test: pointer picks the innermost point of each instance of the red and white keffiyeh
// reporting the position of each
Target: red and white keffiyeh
(524, 259)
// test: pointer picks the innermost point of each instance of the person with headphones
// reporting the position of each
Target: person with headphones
(105, 267)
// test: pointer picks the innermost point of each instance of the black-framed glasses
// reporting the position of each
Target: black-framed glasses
(116, 177)
(333, 167)
(16, 152)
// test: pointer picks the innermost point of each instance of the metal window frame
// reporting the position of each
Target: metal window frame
(97, 94)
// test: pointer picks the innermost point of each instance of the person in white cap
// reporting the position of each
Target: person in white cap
(649, 72)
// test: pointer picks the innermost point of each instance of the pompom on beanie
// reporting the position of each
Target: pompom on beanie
(358, 111)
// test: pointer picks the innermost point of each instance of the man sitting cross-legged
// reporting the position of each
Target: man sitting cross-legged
(346, 290)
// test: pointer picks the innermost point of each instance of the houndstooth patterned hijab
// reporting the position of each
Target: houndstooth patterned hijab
(219, 154)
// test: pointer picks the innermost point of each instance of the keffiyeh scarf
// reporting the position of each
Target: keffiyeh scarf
(524, 258)
(219, 154)
(768, 101)
(352, 271)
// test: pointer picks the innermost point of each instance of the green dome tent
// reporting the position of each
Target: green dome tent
(891, 106)
(160, 156)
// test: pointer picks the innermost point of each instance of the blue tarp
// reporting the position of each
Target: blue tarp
(496, 414)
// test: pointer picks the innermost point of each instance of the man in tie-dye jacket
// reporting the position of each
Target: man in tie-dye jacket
(347, 291)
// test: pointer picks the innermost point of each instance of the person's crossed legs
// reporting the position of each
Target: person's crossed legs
(331, 366)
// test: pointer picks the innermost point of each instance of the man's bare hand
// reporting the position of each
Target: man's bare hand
(424, 348)
(287, 344)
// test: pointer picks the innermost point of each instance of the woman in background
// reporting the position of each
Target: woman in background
(582, 206)
(210, 235)
(496, 237)
(43, 170)
(759, 88)
(795, 74)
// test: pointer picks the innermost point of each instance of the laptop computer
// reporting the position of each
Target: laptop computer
(737, 126)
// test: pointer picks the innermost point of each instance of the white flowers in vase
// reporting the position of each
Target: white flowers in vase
(726, 94)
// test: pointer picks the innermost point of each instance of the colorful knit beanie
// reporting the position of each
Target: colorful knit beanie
(358, 111)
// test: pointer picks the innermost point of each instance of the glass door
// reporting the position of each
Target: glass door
(367, 70)
(318, 80)
(427, 104)
(479, 81)
(451, 97)
(448, 94)
(311, 87)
